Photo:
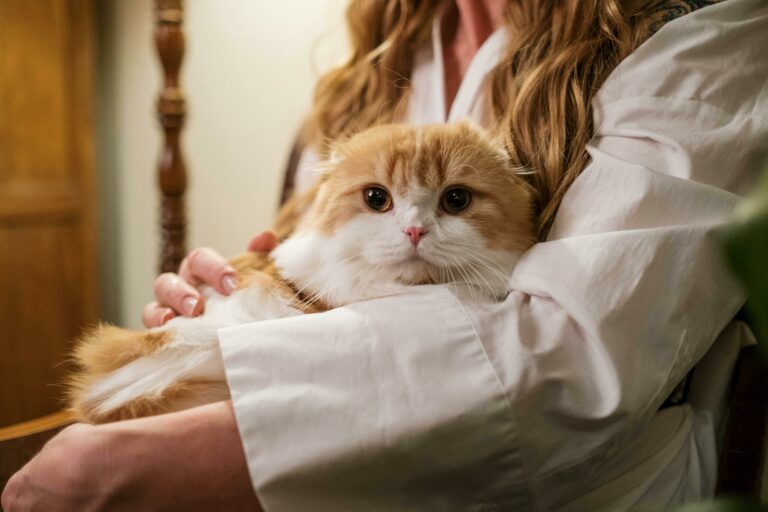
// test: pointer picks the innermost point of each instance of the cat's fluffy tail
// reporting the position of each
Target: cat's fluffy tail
(127, 374)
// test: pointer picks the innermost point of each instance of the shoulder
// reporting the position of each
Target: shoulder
(698, 87)
(662, 12)
(711, 55)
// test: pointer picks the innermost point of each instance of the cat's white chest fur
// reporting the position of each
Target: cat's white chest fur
(332, 269)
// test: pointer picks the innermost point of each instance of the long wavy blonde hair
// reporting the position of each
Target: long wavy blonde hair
(539, 94)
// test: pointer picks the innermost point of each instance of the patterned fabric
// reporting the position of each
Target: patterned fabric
(664, 11)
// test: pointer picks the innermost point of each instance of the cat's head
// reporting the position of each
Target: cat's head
(399, 205)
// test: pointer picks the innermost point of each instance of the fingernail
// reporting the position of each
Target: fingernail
(189, 305)
(229, 283)
(168, 315)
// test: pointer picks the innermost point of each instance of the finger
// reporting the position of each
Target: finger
(263, 242)
(172, 291)
(155, 315)
(206, 266)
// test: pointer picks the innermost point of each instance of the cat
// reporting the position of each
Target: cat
(394, 206)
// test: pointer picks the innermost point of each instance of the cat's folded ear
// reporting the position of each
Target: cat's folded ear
(495, 135)
(326, 166)
(335, 154)
(492, 134)
(330, 148)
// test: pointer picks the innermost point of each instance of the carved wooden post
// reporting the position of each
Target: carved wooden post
(171, 109)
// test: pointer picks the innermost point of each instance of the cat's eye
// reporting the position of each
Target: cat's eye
(377, 199)
(455, 200)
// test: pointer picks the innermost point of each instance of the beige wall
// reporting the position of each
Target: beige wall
(248, 75)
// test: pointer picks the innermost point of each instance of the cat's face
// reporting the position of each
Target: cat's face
(400, 205)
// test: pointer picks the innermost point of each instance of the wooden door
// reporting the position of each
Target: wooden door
(48, 289)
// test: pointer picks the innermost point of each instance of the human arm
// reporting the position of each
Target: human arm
(603, 321)
(190, 460)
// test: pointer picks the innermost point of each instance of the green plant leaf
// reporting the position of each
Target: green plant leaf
(745, 243)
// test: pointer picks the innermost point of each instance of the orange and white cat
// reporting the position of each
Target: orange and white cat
(395, 206)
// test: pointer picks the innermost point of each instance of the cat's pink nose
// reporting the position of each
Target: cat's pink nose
(415, 233)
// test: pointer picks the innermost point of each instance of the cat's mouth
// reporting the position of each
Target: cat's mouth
(416, 257)
(415, 268)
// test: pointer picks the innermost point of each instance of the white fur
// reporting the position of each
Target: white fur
(194, 351)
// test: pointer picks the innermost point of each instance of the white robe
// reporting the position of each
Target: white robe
(549, 400)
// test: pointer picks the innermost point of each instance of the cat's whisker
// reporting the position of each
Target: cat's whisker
(448, 279)
(470, 269)
(493, 267)
(481, 267)
(478, 268)
(453, 278)
(488, 262)
(479, 274)
(467, 280)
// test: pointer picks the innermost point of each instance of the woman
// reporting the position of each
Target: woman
(553, 399)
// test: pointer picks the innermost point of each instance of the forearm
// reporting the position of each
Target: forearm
(190, 460)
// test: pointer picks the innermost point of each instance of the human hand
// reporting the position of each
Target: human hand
(69, 474)
(176, 294)
(191, 460)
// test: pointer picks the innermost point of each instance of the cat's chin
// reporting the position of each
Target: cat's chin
(415, 270)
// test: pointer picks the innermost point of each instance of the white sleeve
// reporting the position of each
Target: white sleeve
(431, 401)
